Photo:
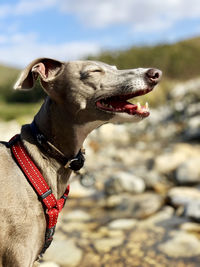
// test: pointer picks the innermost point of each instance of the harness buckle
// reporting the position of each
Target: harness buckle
(46, 194)
(48, 239)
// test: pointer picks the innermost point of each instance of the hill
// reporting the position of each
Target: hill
(179, 61)
(8, 77)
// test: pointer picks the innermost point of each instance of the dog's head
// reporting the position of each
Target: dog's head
(92, 91)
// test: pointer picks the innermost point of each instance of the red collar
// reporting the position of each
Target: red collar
(51, 205)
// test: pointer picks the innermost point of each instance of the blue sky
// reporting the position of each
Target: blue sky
(72, 29)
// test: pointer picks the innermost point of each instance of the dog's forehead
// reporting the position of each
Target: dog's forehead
(102, 64)
(88, 65)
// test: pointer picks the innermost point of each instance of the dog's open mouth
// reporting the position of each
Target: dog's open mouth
(120, 103)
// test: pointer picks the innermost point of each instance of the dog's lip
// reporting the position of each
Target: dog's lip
(127, 95)
(118, 103)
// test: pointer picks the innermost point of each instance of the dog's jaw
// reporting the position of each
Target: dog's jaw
(122, 109)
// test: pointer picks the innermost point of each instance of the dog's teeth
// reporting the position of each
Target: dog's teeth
(147, 105)
(138, 105)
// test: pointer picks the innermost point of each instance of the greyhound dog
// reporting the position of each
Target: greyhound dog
(81, 96)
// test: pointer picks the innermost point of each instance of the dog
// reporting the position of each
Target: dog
(81, 96)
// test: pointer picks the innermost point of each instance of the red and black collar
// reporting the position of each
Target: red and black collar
(74, 164)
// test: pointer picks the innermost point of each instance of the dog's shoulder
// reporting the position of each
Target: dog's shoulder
(6, 161)
(4, 150)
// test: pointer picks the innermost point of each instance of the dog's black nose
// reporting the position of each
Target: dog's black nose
(153, 75)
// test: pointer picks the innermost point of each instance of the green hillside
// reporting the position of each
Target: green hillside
(178, 61)
(8, 76)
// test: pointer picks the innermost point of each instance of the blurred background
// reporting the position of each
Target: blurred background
(144, 207)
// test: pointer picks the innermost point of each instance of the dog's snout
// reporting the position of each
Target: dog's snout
(153, 75)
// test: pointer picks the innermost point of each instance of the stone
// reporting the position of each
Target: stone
(188, 172)
(192, 210)
(138, 206)
(165, 214)
(144, 205)
(64, 253)
(156, 181)
(181, 90)
(77, 215)
(113, 201)
(110, 133)
(124, 182)
(122, 224)
(48, 264)
(168, 162)
(77, 190)
(106, 244)
(71, 226)
(181, 245)
(182, 196)
(190, 227)
(193, 110)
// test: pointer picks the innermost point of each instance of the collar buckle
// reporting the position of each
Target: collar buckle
(76, 163)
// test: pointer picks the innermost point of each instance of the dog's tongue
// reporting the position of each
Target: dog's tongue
(123, 105)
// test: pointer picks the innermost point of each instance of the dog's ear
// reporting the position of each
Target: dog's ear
(47, 69)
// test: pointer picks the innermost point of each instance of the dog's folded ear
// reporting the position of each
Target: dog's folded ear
(45, 68)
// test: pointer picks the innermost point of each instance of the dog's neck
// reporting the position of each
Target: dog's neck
(64, 134)
(59, 129)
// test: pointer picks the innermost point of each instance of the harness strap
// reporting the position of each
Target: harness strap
(51, 204)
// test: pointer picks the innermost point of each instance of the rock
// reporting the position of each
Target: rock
(110, 133)
(181, 245)
(48, 264)
(165, 214)
(192, 131)
(181, 90)
(168, 162)
(156, 181)
(71, 226)
(124, 182)
(193, 110)
(77, 215)
(182, 196)
(64, 253)
(106, 244)
(77, 190)
(188, 172)
(113, 201)
(192, 210)
(138, 206)
(190, 227)
(122, 224)
(145, 205)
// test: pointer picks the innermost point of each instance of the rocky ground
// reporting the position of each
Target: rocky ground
(144, 206)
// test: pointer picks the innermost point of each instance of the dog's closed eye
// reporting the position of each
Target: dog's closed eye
(88, 73)
(96, 70)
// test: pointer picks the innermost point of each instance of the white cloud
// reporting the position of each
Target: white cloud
(25, 7)
(141, 15)
(145, 16)
(31, 6)
(3, 39)
(21, 49)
